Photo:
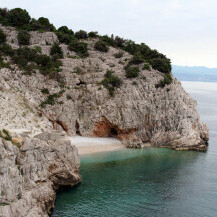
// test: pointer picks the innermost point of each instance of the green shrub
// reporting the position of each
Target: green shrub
(65, 30)
(166, 81)
(56, 51)
(37, 49)
(79, 47)
(132, 71)
(64, 38)
(120, 54)
(18, 17)
(51, 99)
(2, 37)
(93, 34)
(160, 64)
(45, 91)
(111, 81)
(23, 37)
(81, 34)
(69, 97)
(4, 64)
(109, 41)
(43, 60)
(5, 135)
(146, 67)
(6, 49)
(45, 24)
(101, 46)
(27, 53)
(137, 59)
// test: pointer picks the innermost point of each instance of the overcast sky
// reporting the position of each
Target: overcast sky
(184, 30)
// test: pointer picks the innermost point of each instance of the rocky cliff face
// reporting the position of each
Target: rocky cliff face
(31, 170)
(137, 113)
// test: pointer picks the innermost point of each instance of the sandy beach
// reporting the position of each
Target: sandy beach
(88, 145)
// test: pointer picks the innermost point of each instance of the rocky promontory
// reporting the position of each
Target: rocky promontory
(32, 169)
(81, 84)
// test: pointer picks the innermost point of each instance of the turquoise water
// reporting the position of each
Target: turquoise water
(148, 182)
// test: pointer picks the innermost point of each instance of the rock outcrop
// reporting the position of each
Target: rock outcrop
(31, 170)
(137, 113)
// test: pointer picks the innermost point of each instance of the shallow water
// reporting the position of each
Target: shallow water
(149, 182)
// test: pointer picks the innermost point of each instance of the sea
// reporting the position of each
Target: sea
(152, 181)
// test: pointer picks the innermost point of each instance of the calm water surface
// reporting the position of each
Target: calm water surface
(150, 182)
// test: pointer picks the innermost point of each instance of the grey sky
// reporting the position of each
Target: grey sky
(185, 30)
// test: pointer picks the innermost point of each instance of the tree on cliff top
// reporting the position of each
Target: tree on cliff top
(18, 17)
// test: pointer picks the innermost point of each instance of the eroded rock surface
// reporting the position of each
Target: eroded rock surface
(31, 170)
(138, 113)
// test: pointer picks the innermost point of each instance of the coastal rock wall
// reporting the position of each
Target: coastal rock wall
(31, 170)
(137, 113)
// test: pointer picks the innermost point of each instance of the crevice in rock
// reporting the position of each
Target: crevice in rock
(77, 128)
(81, 82)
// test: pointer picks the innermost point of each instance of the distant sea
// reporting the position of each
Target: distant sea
(152, 182)
(195, 73)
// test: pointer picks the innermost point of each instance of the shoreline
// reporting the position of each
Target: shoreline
(91, 145)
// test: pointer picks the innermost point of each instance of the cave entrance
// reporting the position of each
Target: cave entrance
(77, 128)
(113, 132)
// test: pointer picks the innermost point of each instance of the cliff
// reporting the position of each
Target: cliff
(137, 111)
(31, 170)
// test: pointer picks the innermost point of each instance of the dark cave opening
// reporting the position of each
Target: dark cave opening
(77, 128)
(113, 132)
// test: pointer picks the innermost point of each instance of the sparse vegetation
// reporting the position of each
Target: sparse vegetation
(51, 99)
(161, 65)
(137, 59)
(45, 91)
(93, 34)
(146, 67)
(2, 37)
(166, 81)
(21, 20)
(56, 51)
(111, 81)
(132, 71)
(81, 34)
(79, 47)
(17, 17)
(5, 135)
(23, 37)
(101, 46)
(120, 54)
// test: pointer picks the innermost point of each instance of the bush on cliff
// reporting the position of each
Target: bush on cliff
(136, 59)
(111, 81)
(65, 30)
(79, 47)
(119, 54)
(131, 71)
(56, 51)
(166, 81)
(101, 46)
(160, 64)
(81, 34)
(18, 17)
(2, 37)
(65, 35)
(93, 34)
(23, 37)
(146, 67)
